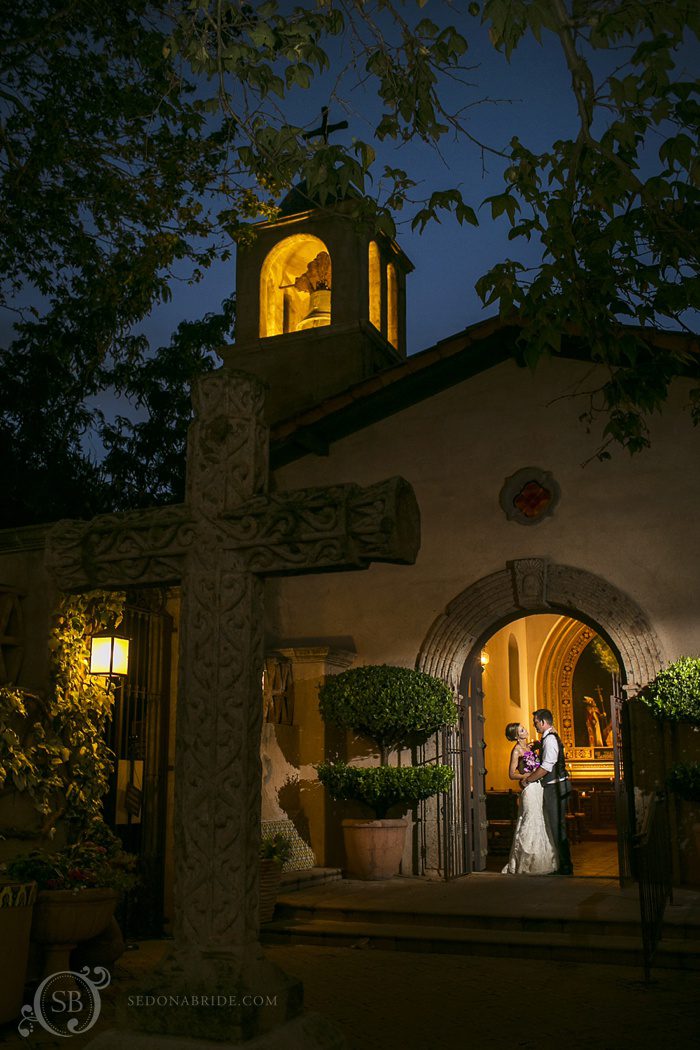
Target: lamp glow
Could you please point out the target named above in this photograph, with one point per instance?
(109, 655)
(484, 658)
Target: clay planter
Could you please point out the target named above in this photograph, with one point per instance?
(374, 848)
(63, 918)
(270, 878)
(16, 904)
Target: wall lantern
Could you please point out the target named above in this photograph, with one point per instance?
(484, 658)
(109, 655)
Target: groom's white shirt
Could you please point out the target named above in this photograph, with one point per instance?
(550, 751)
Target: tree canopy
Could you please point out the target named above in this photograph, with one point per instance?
(139, 139)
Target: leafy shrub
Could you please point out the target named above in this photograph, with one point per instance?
(684, 781)
(84, 865)
(277, 847)
(396, 706)
(675, 692)
(381, 787)
(52, 747)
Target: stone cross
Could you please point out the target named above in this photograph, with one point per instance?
(219, 545)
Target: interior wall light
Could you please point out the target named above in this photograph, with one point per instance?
(484, 658)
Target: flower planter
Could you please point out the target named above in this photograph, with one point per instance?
(64, 918)
(270, 878)
(16, 905)
(374, 848)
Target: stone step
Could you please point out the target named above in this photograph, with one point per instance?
(571, 945)
(293, 881)
(290, 911)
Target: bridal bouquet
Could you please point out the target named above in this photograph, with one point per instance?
(530, 761)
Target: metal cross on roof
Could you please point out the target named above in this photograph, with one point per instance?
(325, 129)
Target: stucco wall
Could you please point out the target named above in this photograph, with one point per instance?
(23, 571)
(630, 520)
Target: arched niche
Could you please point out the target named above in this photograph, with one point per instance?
(392, 305)
(375, 286)
(295, 286)
(531, 585)
(513, 670)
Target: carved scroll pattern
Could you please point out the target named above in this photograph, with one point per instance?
(228, 443)
(529, 582)
(114, 550)
(340, 526)
(217, 770)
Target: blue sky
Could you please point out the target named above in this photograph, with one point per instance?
(528, 96)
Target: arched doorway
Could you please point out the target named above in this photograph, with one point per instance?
(452, 650)
(557, 662)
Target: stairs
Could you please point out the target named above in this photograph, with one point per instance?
(584, 930)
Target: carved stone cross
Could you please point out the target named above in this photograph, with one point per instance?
(219, 545)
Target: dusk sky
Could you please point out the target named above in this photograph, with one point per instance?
(535, 104)
(529, 97)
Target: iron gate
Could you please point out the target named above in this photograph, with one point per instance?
(624, 791)
(463, 809)
(136, 804)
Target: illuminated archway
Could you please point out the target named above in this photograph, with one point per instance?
(375, 286)
(535, 585)
(392, 305)
(295, 286)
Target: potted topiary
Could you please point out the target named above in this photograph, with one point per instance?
(275, 851)
(398, 708)
(673, 697)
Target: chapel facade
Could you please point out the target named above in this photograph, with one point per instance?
(539, 581)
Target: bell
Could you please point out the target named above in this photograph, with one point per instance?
(319, 310)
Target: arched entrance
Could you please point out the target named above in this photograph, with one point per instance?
(451, 651)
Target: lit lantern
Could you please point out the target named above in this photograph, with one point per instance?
(109, 655)
(484, 659)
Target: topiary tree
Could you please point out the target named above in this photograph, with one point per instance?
(675, 692)
(397, 707)
(381, 787)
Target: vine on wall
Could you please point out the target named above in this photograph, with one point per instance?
(53, 747)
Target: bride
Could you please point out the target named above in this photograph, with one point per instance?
(532, 852)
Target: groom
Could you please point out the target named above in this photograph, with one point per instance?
(557, 787)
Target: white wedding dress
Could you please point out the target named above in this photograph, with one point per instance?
(532, 852)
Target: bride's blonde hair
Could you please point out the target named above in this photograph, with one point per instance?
(512, 730)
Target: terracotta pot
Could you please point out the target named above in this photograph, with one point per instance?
(374, 848)
(16, 905)
(63, 919)
(270, 878)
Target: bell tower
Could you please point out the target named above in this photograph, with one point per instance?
(320, 303)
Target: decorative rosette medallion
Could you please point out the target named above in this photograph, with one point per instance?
(529, 496)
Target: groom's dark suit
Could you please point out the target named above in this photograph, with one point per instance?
(557, 788)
